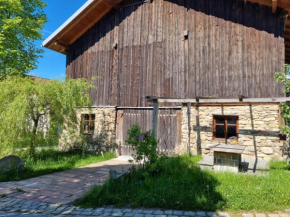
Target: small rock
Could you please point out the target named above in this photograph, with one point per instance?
(11, 162)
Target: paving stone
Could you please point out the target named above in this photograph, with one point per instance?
(211, 214)
(260, 215)
(128, 214)
(200, 213)
(284, 215)
(127, 210)
(149, 215)
(177, 212)
(158, 212)
(247, 215)
(117, 214)
(97, 213)
(146, 211)
(223, 214)
(273, 215)
(138, 211)
(168, 212)
(108, 210)
(138, 215)
(57, 211)
(99, 210)
(172, 216)
(189, 213)
(87, 213)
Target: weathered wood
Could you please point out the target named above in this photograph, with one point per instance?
(237, 100)
(155, 117)
(227, 53)
(168, 133)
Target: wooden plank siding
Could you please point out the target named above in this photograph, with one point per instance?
(233, 48)
(168, 132)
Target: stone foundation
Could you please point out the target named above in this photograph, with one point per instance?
(258, 130)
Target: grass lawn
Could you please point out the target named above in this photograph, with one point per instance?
(50, 161)
(180, 184)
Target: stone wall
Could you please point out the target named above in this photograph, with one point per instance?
(258, 130)
(105, 119)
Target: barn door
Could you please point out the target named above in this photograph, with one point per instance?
(168, 128)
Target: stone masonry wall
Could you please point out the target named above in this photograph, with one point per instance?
(104, 124)
(258, 130)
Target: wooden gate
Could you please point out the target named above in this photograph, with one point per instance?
(169, 127)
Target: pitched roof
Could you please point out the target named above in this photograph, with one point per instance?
(84, 18)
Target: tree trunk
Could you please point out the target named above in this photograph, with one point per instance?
(33, 138)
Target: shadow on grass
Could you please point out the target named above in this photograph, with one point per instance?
(178, 184)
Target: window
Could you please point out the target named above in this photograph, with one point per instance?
(88, 124)
(225, 127)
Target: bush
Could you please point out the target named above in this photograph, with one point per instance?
(145, 146)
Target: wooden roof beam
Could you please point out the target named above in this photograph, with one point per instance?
(61, 44)
(111, 3)
(274, 6)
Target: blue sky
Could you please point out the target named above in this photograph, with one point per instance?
(52, 64)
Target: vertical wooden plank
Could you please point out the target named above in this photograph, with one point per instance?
(155, 118)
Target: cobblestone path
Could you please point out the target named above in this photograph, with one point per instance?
(51, 195)
(63, 187)
(18, 207)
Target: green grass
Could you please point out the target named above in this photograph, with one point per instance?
(180, 184)
(50, 161)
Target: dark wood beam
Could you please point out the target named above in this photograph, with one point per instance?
(274, 6)
(287, 31)
(111, 3)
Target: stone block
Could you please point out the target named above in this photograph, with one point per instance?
(267, 150)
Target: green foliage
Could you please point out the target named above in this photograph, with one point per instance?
(282, 77)
(180, 184)
(20, 23)
(145, 146)
(50, 161)
(33, 111)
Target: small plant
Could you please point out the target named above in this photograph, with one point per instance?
(145, 146)
(19, 190)
(3, 195)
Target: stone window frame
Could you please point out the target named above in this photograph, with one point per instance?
(226, 126)
(90, 119)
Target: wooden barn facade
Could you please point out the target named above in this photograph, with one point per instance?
(182, 51)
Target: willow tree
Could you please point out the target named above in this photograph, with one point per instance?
(32, 111)
(20, 25)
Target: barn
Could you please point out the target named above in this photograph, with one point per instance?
(208, 66)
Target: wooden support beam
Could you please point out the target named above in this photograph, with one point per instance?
(61, 44)
(274, 6)
(188, 126)
(155, 117)
(223, 101)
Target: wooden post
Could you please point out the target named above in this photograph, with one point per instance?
(188, 126)
(155, 117)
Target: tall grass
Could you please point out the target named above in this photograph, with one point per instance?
(180, 184)
(50, 161)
